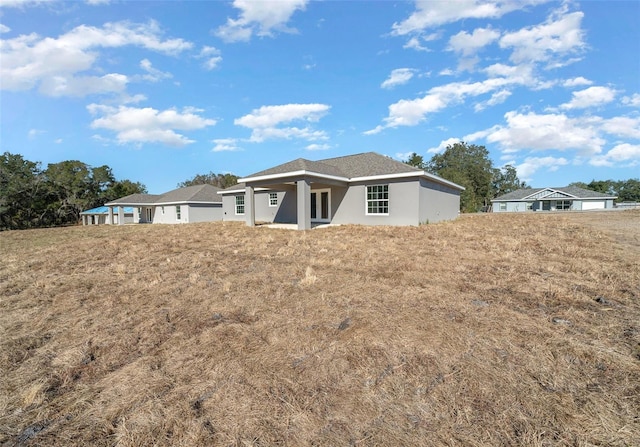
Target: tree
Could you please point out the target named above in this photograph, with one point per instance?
(506, 180)
(467, 165)
(22, 192)
(219, 180)
(625, 190)
(416, 161)
(121, 188)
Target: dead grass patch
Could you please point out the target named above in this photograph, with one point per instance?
(490, 330)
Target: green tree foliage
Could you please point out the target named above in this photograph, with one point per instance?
(625, 190)
(505, 180)
(219, 180)
(31, 197)
(467, 165)
(416, 160)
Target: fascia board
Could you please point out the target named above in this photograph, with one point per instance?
(292, 174)
(236, 191)
(186, 202)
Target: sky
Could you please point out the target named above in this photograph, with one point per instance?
(162, 91)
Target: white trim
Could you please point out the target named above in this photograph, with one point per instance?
(244, 204)
(269, 200)
(292, 174)
(236, 191)
(366, 200)
(319, 204)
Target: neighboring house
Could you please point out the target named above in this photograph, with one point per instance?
(553, 199)
(367, 189)
(199, 203)
(99, 215)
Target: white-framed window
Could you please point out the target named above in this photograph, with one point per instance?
(273, 199)
(503, 206)
(178, 212)
(377, 199)
(239, 205)
(563, 205)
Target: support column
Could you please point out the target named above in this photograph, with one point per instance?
(249, 206)
(304, 208)
(110, 216)
(121, 215)
(84, 219)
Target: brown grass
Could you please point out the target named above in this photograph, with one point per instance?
(490, 330)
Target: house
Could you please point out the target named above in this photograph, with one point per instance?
(367, 189)
(99, 215)
(198, 203)
(553, 199)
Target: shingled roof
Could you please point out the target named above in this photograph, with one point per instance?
(348, 167)
(188, 194)
(574, 191)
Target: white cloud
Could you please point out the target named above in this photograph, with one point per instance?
(430, 14)
(57, 65)
(21, 3)
(590, 97)
(560, 35)
(576, 82)
(414, 44)
(546, 132)
(624, 153)
(532, 164)
(212, 57)
(468, 44)
(33, 133)
(58, 141)
(4, 28)
(98, 2)
(398, 76)
(264, 121)
(633, 100)
(148, 125)
(443, 145)
(622, 126)
(496, 98)
(318, 147)
(226, 144)
(260, 17)
(153, 74)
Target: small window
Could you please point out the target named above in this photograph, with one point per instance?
(378, 199)
(273, 199)
(529, 206)
(162, 210)
(239, 205)
(178, 214)
(503, 206)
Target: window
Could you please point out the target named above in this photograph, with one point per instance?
(162, 210)
(178, 212)
(529, 206)
(239, 205)
(503, 206)
(563, 205)
(273, 199)
(378, 199)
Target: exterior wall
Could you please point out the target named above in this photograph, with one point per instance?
(284, 212)
(351, 207)
(169, 215)
(514, 207)
(203, 213)
(438, 202)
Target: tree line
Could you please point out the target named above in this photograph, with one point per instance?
(32, 197)
(469, 165)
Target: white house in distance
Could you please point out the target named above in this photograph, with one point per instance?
(367, 189)
(570, 198)
(99, 215)
(198, 203)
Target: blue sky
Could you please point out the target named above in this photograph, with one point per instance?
(162, 91)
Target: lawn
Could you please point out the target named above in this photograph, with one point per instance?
(496, 329)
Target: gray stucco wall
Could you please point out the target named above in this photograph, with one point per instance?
(284, 212)
(438, 202)
(204, 213)
(403, 204)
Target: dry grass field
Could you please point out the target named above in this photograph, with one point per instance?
(491, 330)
